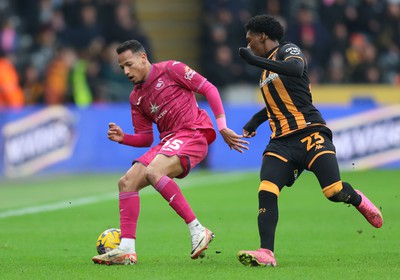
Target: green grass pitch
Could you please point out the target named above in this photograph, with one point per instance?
(49, 228)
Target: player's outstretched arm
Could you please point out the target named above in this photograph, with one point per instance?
(234, 140)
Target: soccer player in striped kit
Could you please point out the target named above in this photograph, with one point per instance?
(164, 94)
(300, 138)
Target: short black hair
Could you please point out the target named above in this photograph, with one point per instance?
(265, 24)
(132, 45)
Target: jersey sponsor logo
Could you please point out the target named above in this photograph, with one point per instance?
(293, 50)
(189, 73)
(153, 108)
(162, 114)
(160, 84)
(269, 79)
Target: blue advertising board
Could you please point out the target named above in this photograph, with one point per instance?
(67, 139)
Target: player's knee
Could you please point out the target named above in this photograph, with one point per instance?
(123, 184)
(151, 175)
(269, 187)
(335, 192)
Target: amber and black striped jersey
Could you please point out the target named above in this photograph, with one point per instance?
(286, 90)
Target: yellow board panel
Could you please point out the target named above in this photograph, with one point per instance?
(345, 94)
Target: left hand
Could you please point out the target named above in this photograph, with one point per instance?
(234, 140)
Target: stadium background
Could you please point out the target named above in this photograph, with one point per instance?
(63, 53)
(59, 172)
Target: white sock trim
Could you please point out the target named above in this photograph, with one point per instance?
(195, 227)
(128, 245)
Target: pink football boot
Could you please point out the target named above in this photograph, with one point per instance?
(260, 257)
(370, 211)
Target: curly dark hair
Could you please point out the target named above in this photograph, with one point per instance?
(133, 45)
(265, 24)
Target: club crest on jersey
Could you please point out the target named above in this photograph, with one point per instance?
(269, 79)
(153, 108)
(160, 84)
(189, 73)
(293, 50)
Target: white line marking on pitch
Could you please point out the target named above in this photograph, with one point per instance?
(187, 183)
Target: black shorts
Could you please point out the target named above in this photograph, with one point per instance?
(299, 150)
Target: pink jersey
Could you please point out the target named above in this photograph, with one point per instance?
(167, 98)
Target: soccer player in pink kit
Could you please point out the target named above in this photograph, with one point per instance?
(164, 95)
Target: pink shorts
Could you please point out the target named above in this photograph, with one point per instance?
(189, 145)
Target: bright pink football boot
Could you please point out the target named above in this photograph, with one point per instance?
(260, 257)
(370, 211)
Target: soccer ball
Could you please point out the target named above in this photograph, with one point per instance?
(108, 240)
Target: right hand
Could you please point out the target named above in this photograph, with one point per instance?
(247, 134)
(249, 129)
(115, 133)
(245, 53)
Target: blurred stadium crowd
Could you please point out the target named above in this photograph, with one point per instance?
(63, 51)
(345, 41)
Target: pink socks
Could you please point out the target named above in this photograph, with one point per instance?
(171, 193)
(129, 208)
